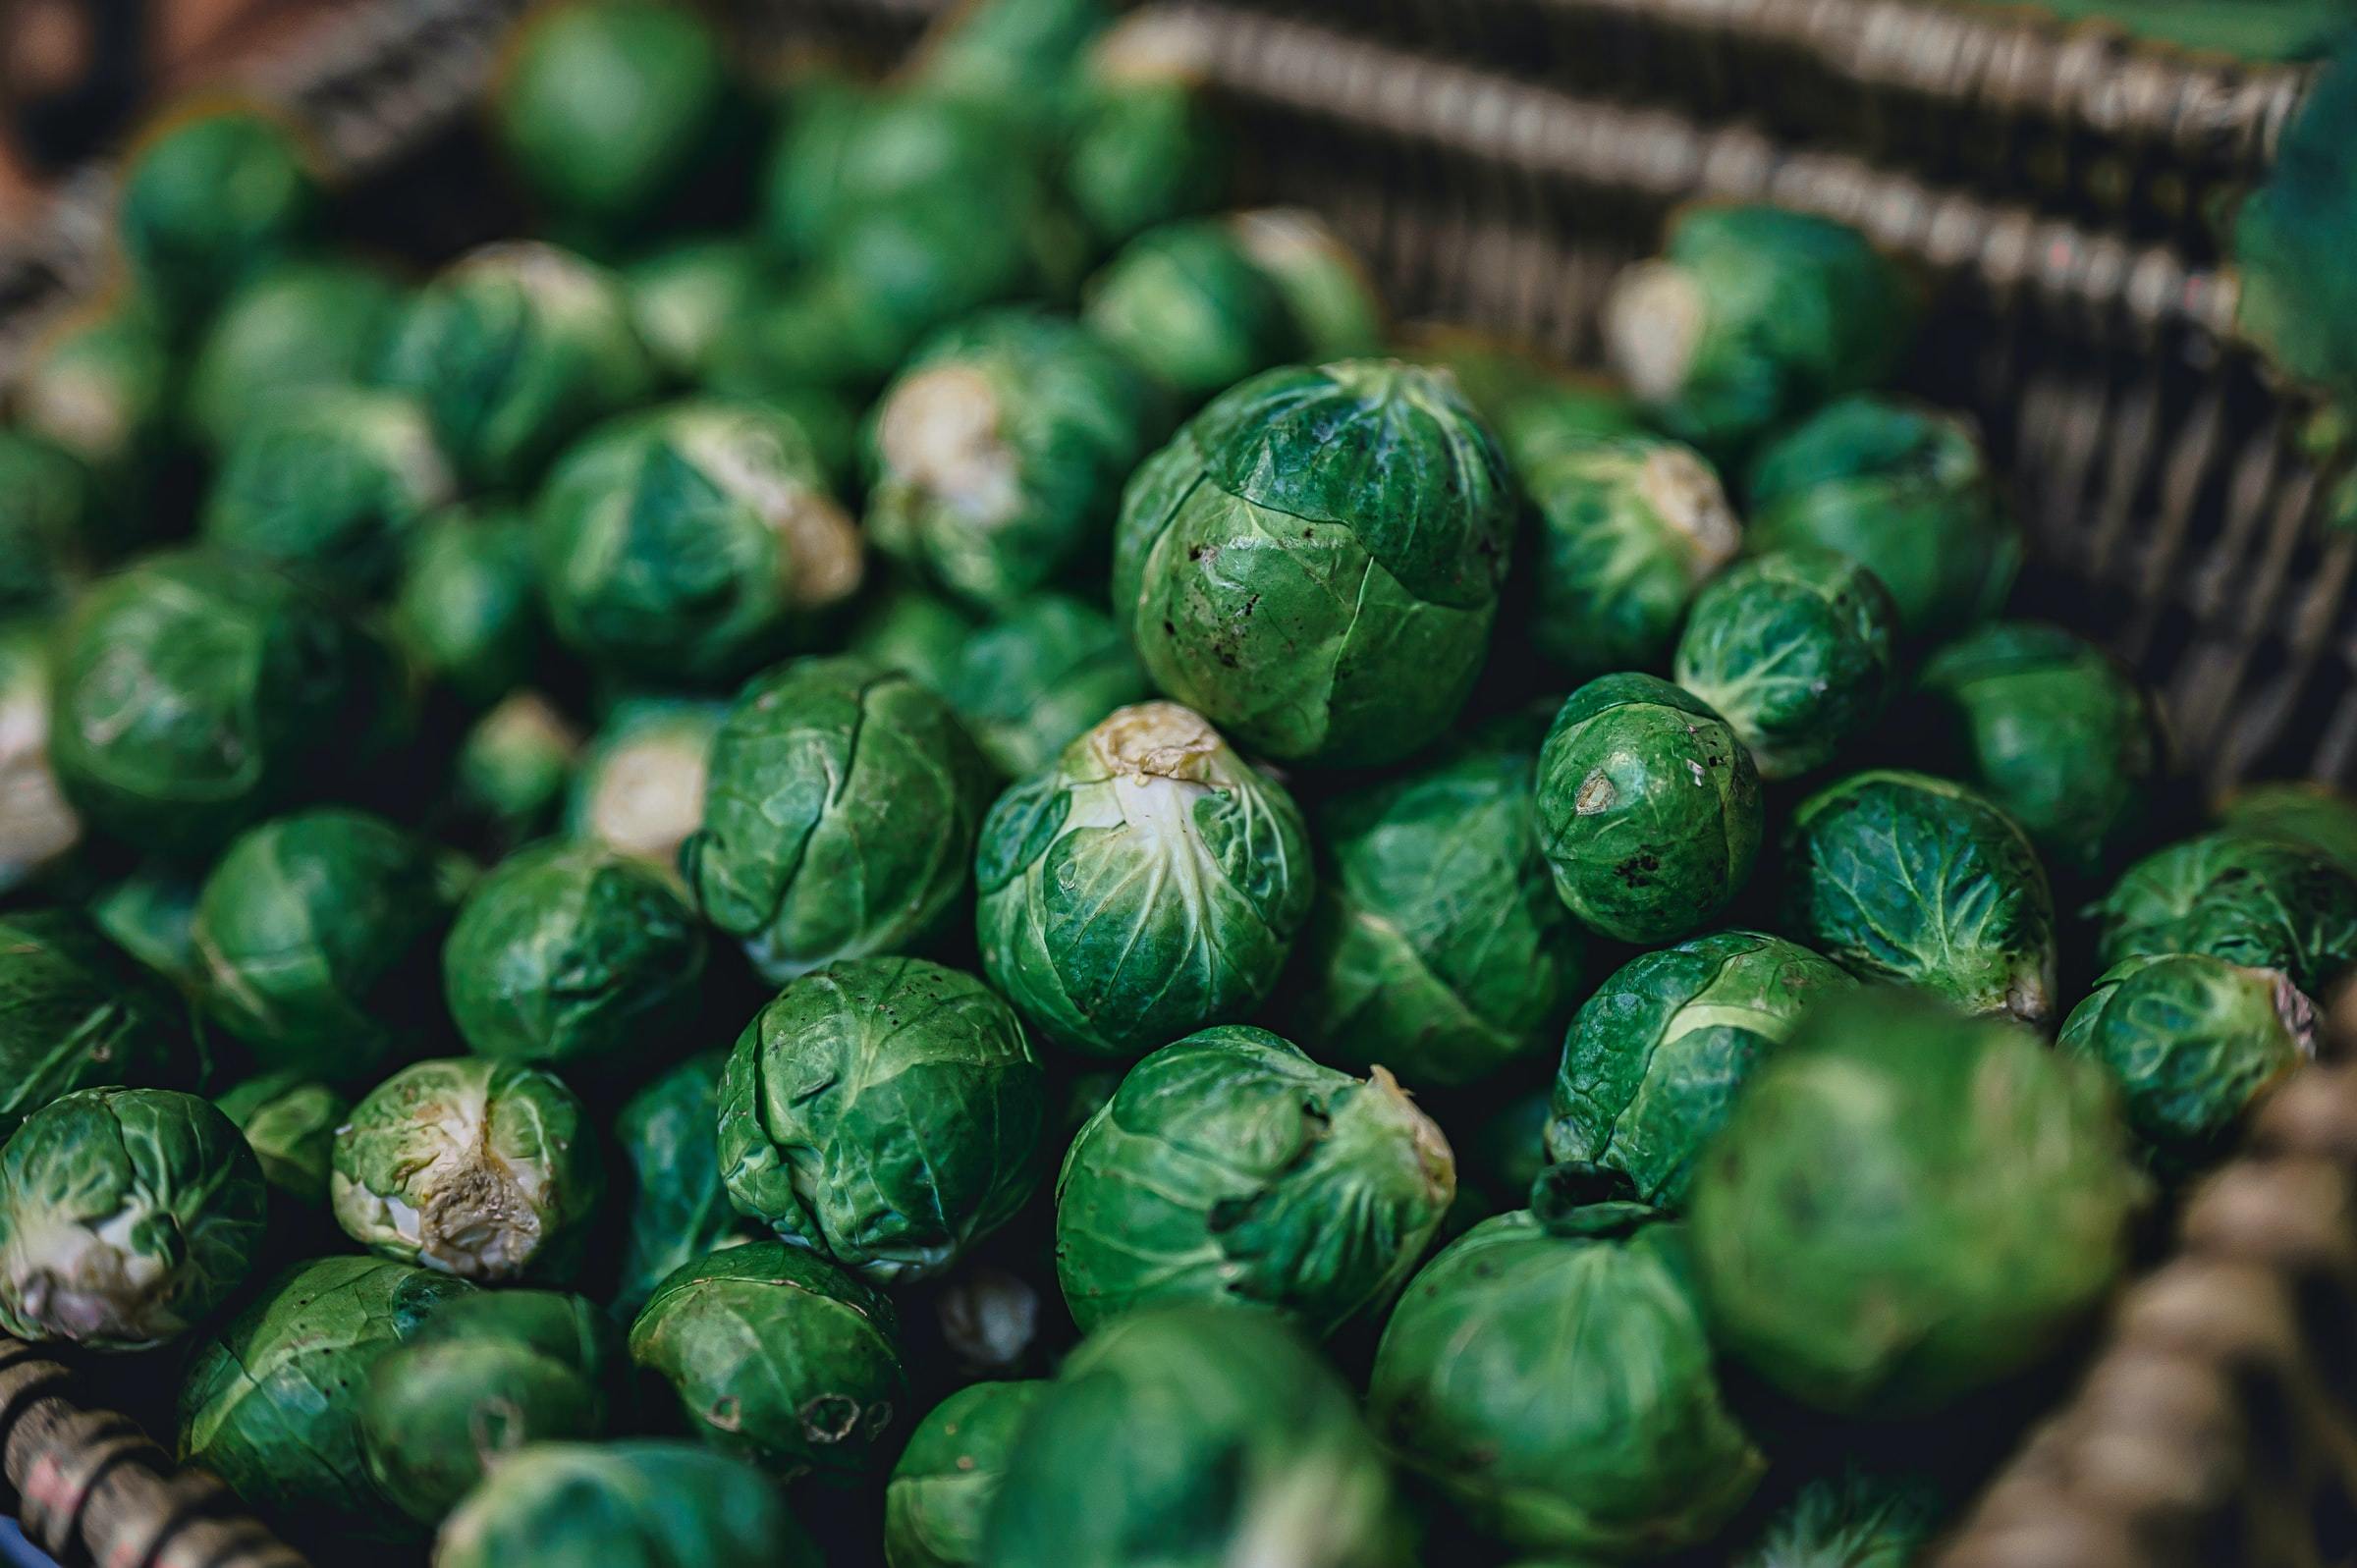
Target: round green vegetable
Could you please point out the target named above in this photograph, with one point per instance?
(641, 1503)
(151, 914)
(38, 827)
(1149, 882)
(2265, 903)
(1328, 290)
(1537, 406)
(689, 296)
(468, 607)
(938, 1500)
(1853, 1519)
(514, 764)
(298, 330)
(1018, 58)
(98, 386)
(208, 199)
(290, 1122)
(2317, 815)
(1145, 145)
(47, 521)
(678, 1198)
(640, 788)
(1031, 683)
(918, 633)
(1186, 305)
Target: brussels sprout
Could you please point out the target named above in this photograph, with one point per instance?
(151, 914)
(779, 1356)
(467, 607)
(2313, 814)
(98, 386)
(679, 1200)
(1656, 1055)
(1195, 1436)
(513, 349)
(195, 696)
(1036, 682)
(1146, 884)
(916, 632)
(1900, 875)
(1854, 1519)
(1328, 291)
(2192, 1041)
(1629, 527)
(1017, 57)
(299, 329)
(210, 199)
(1649, 809)
(839, 813)
(514, 764)
(46, 521)
(37, 828)
(1906, 492)
(1796, 649)
(938, 1501)
(1753, 315)
(642, 1503)
(1436, 945)
(1144, 145)
(1536, 405)
(2054, 730)
(999, 454)
(486, 1169)
(126, 1216)
(2264, 904)
(290, 1122)
(332, 487)
(1845, 1219)
(1188, 305)
(487, 1375)
(317, 934)
(1557, 1380)
(639, 790)
(885, 1111)
(844, 145)
(1229, 1167)
(689, 296)
(1314, 562)
(75, 1013)
(691, 542)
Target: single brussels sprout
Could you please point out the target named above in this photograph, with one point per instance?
(514, 765)
(1655, 1058)
(332, 488)
(689, 296)
(1753, 315)
(489, 1375)
(884, 1111)
(1229, 1167)
(999, 454)
(918, 633)
(317, 934)
(779, 1356)
(1187, 304)
(1629, 527)
(2193, 1041)
(1030, 684)
(938, 1500)
(301, 328)
(1314, 562)
(573, 953)
(38, 827)
(47, 523)
(639, 1503)
(513, 349)
(98, 386)
(2265, 903)
(839, 812)
(486, 1169)
(1327, 289)
(151, 913)
(77, 1014)
(195, 695)
(1903, 490)
(1536, 405)
(1854, 1519)
(692, 542)
(2317, 815)
(271, 1403)
(289, 1122)
(1649, 809)
(1903, 877)
(1145, 146)
(1845, 1217)
(1797, 650)
(679, 1208)
(210, 199)
(468, 607)
(1020, 58)
(1612, 1437)
(1149, 882)
(640, 788)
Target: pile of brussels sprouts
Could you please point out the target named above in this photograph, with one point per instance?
(905, 850)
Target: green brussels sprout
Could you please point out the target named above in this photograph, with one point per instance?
(1146, 884)
(486, 1169)
(151, 913)
(38, 827)
(98, 386)
(2302, 813)
(1145, 146)
(1020, 58)
(1629, 527)
(1436, 945)
(1328, 291)
(689, 296)
(844, 145)
(918, 633)
(302, 327)
(1845, 1219)
(514, 765)
(289, 1122)
(1229, 1167)
(1537, 406)
(2054, 730)
(1903, 490)
(884, 1111)
(779, 1356)
(1649, 809)
(2193, 1041)
(1754, 314)
(640, 788)
(77, 1014)
(1030, 684)
(839, 812)
(1854, 1519)
(208, 199)
(1556, 1379)
(317, 934)
(1903, 877)
(46, 521)
(1187, 304)
(512, 350)
(272, 1402)
(937, 1503)
(195, 696)
(126, 1216)
(691, 542)
(1655, 1058)
(332, 487)
(1000, 451)
(468, 607)
(2264, 904)
(1195, 1436)
(678, 1198)
(1314, 562)
(641, 1503)
(489, 1375)
(1797, 650)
